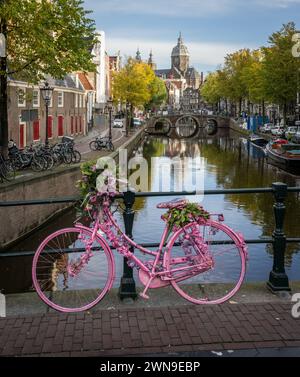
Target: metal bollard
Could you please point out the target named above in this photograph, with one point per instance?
(278, 279)
(127, 286)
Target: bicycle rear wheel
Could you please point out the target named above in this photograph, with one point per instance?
(94, 145)
(207, 262)
(60, 279)
(8, 171)
(76, 157)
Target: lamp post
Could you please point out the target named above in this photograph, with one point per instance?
(47, 93)
(127, 118)
(109, 107)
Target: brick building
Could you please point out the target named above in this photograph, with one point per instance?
(26, 111)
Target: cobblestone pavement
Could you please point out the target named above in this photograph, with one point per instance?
(148, 331)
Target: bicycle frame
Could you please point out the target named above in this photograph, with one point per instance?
(150, 277)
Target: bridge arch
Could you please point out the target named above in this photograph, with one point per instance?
(160, 126)
(187, 126)
(211, 126)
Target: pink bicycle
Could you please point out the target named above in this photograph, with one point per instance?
(204, 260)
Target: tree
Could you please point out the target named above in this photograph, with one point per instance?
(254, 80)
(43, 38)
(210, 90)
(280, 68)
(234, 67)
(133, 84)
(159, 94)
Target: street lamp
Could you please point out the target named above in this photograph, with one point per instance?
(109, 108)
(47, 93)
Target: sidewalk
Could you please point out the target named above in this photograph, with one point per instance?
(171, 330)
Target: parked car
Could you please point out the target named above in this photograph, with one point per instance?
(137, 122)
(266, 128)
(118, 123)
(296, 137)
(277, 131)
(291, 132)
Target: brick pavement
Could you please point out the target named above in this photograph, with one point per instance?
(151, 331)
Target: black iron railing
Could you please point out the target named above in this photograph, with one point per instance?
(278, 279)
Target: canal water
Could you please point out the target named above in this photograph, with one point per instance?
(230, 161)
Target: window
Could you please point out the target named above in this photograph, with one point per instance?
(80, 100)
(60, 125)
(21, 97)
(60, 99)
(76, 100)
(36, 98)
(36, 130)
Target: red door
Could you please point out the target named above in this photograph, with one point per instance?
(36, 130)
(76, 125)
(60, 125)
(50, 126)
(80, 124)
(22, 135)
(72, 125)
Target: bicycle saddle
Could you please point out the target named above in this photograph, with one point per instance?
(175, 203)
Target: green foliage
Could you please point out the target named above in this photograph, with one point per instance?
(280, 68)
(136, 84)
(47, 38)
(268, 74)
(158, 94)
(87, 183)
(178, 218)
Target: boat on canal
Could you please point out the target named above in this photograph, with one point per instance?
(258, 141)
(284, 154)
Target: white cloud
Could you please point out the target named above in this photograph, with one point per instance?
(202, 55)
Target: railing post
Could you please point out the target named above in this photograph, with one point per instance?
(278, 280)
(127, 286)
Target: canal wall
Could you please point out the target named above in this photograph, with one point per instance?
(18, 222)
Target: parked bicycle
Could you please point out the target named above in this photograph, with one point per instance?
(7, 170)
(102, 143)
(201, 258)
(21, 159)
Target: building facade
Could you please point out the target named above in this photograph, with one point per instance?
(27, 113)
(181, 72)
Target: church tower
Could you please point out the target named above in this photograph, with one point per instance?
(138, 56)
(151, 62)
(180, 56)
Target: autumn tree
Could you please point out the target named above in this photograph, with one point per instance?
(43, 38)
(280, 68)
(159, 94)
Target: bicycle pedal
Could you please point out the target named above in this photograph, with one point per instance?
(143, 295)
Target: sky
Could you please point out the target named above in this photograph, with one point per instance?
(210, 28)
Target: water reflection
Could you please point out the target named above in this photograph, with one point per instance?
(230, 162)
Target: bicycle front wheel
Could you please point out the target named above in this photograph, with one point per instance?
(72, 273)
(206, 262)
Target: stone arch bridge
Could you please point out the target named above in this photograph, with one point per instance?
(186, 125)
